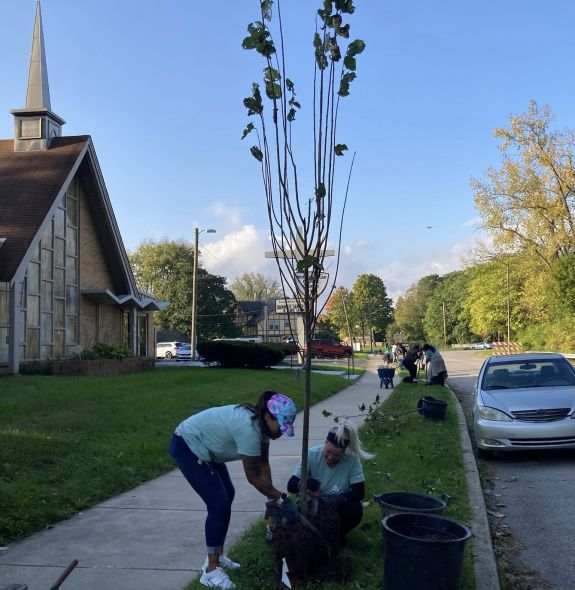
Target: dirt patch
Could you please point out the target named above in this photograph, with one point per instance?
(312, 557)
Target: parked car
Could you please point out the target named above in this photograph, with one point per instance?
(481, 346)
(328, 347)
(184, 353)
(167, 350)
(524, 401)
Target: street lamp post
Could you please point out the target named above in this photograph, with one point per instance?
(193, 336)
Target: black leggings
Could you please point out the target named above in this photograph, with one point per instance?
(351, 514)
(411, 367)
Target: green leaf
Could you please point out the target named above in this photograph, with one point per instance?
(317, 41)
(346, 80)
(249, 128)
(289, 85)
(320, 191)
(340, 148)
(345, 6)
(336, 21)
(294, 103)
(326, 414)
(266, 7)
(271, 75)
(273, 90)
(306, 262)
(257, 153)
(343, 31)
(349, 62)
(355, 47)
(291, 115)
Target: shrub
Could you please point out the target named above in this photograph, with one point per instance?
(104, 351)
(231, 354)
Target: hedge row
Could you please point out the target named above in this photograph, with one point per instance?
(232, 354)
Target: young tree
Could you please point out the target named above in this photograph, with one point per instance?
(164, 269)
(255, 287)
(300, 223)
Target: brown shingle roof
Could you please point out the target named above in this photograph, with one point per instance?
(29, 183)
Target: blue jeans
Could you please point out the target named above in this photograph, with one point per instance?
(211, 481)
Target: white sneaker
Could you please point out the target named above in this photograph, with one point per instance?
(216, 579)
(225, 562)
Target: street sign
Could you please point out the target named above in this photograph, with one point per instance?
(321, 281)
(288, 306)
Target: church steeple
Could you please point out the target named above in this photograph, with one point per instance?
(36, 124)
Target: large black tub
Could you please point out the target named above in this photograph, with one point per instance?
(423, 551)
(394, 502)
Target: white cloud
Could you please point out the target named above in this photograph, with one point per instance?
(239, 252)
(232, 215)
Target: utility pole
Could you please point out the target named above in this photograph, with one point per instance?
(444, 327)
(508, 311)
(193, 335)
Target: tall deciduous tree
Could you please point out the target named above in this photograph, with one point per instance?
(164, 269)
(373, 309)
(255, 287)
(339, 311)
(412, 307)
(445, 311)
(528, 204)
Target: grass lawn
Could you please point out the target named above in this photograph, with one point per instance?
(67, 443)
(412, 454)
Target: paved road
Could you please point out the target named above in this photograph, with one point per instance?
(536, 492)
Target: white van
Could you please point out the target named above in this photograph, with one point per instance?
(167, 350)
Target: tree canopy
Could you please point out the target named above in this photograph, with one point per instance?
(255, 287)
(164, 270)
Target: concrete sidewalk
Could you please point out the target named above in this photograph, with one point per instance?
(152, 537)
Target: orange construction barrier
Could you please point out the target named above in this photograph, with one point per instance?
(507, 348)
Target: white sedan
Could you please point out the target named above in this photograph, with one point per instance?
(524, 401)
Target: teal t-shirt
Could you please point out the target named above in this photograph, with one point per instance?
(222, 434)
(336, 480)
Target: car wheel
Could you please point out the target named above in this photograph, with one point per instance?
(484, 454)
(168, 355)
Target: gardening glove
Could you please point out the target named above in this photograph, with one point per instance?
(273, 511)
(313, 484)
(289, 511)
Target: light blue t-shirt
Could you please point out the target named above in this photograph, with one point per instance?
(335, 480)
(223, 434)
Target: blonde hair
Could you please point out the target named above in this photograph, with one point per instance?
(345, 432)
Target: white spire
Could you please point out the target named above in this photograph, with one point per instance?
(38, 95)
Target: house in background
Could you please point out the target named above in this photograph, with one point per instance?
(65, 280)
(267, 320)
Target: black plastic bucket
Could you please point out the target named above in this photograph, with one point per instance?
(394, 502)
(433, 408)
(423, 551)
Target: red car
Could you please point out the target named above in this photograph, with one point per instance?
(328, 347)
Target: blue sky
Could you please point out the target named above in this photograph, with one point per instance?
(159, 87)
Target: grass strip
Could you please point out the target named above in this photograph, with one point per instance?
(412, 454)
(67, 443)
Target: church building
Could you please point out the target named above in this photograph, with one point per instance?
(65, 279)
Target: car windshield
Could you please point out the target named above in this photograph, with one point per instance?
(528, 373)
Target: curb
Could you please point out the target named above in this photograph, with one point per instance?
(486, 576)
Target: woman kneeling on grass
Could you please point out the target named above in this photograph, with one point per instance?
(335, 474)
(203, 444)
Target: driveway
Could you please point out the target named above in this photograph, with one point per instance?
(530, 498)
